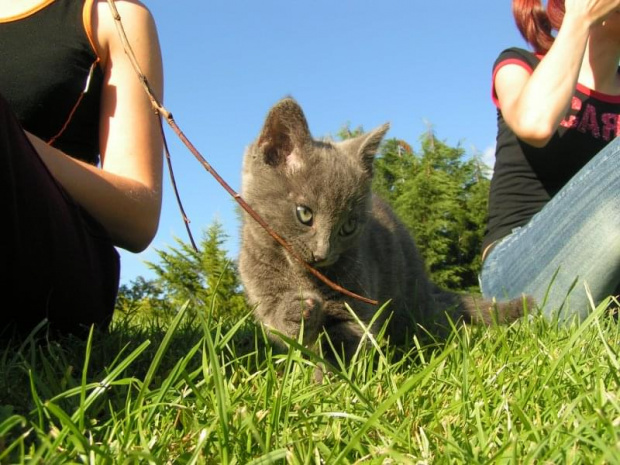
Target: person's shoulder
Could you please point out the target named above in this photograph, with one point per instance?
(123, 4)
(516, 55)
(513, 56)
(134, 16)
(128, 10)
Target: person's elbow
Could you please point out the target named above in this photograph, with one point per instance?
(144, 236)
(142, 228)
(534, 132)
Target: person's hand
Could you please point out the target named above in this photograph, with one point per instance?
(591, 11)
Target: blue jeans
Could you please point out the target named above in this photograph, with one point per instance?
(570, 249)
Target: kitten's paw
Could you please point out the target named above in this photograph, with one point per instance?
(305, 308)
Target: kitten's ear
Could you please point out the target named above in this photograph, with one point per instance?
(284, 134)
(368, 144)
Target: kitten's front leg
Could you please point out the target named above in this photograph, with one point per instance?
(294, 311)
(343, 329)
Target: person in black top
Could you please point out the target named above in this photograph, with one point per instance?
(553, 228)
(80, 158)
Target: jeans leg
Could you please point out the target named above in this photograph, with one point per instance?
(571, 247)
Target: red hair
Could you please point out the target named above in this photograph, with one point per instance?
(536, 23)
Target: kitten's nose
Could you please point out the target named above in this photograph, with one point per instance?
(318, 257)
(321, 250)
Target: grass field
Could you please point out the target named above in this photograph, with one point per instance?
(202, 391)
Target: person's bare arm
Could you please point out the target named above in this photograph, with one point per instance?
(125, 194)
(533, 105)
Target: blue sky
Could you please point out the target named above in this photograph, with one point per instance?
(412, 63)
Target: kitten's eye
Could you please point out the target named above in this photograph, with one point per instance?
(304, 215)
(349, 227)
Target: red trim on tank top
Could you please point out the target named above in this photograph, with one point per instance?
(598, 95)
(501, 64)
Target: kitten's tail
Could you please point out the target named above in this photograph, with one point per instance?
(476, 310)
(489, 312)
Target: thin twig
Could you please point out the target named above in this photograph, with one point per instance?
(174, 186)
(159, 109)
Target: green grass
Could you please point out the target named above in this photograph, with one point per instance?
(202, 391)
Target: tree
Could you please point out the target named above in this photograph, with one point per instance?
(207, 277)
(222, 278)
(442, 199)
(392, 168)
(144, 298)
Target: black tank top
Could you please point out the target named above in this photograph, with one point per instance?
(525, 178)
(50, 75)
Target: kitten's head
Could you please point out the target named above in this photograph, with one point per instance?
(313, 193)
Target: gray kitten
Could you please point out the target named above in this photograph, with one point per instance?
(317, 195)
